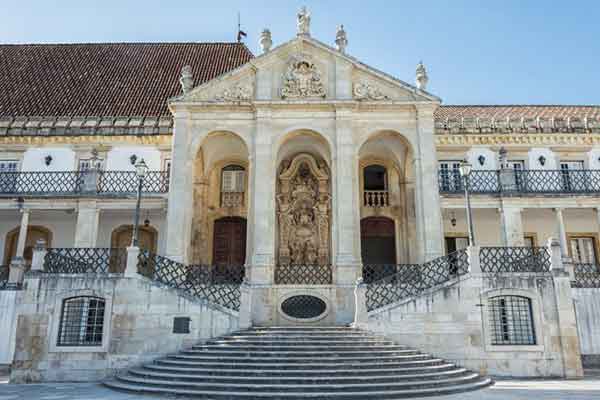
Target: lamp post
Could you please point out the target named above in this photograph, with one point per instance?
(465, 170)
(141, 169)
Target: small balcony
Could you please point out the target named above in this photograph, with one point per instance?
(522, 182)
(232, 199)
(376, 198)
(81, 183)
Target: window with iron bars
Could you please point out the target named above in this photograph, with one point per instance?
(81, 321)
(511, 321)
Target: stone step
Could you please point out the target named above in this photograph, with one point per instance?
(299, 348)
(301, 388)
(295, 365)
(299, 378)
(377, 395)
(298, 354)
(292, 372)
(283, 342)
(303, 359)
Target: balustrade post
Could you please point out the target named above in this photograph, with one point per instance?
(558, 263)
(39, 254)
(16, 271)
(131, 269)
(361, 315)
(473, 255)
(245, 313)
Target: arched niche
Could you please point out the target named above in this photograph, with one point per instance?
(34, 233)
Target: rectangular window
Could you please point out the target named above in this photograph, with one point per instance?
(583, 250)
(86, 164)
(167, 166)
(456, 243)
(450, 180)
(9, 165)
(574, 179)
(511, 321)
(233, 181)
(81, 322)
(529, 240)
(9, 177)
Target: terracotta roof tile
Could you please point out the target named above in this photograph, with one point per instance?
(105, 79)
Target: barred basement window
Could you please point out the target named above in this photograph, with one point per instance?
(81, 321)
(511, 321)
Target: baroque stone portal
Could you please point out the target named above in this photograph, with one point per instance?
(303, 207)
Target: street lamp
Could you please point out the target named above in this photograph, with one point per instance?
(141, 169)
(465, 170)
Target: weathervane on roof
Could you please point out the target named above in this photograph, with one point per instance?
(240, 33)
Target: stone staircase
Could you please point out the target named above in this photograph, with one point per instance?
(299, 363)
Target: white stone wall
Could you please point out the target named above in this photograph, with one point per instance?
(63, 159)
(587, 307)
(139, 329)
(8, 321)
(118, 158)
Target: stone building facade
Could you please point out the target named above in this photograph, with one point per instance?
(303, 169)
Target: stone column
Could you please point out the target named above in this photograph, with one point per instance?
(473, 255)
(88, 219)
(566, 318)
(263, 203)
(22, 240)
(598, 218)
(562, 234)
(131, 270)
(346, 210)
(430, 231)
(512, 226)
(180, 206)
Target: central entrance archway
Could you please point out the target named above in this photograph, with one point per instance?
(229, 241)
(378, 240)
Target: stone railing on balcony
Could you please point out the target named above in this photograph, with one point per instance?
(376, 198)
(232, 199)
(522, 182)
(80, 183)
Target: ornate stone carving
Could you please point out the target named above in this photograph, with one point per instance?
(341, 40)
(303, 22)
(421, 77)
(303, 203)
(302, 80)
(368, 91)
(265, 40)
(236, 93)
(186, 79)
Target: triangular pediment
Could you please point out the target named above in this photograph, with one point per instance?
(304, 69)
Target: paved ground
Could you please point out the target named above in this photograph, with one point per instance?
(586, 389)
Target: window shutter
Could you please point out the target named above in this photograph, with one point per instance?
(239, 181)
(227, 184)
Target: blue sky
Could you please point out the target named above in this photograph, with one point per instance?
(477, 52)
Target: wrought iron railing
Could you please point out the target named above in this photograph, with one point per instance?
(376, 198)
(77, 183)
(375, 272)
(413, 281)
(586, 276)
(83, 260)
(512, 182)
(215, 284)
(514, 259)
(303, 274)
(4, 271)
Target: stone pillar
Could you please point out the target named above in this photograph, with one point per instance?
(361, 315)
(473, 255)
(512, 226)
(598, 218)
(131, 269)
(245, 313)
(346, 209)
(430, 230)
(562, 234)
(39, 253)
(180, 191)
(566, 318)
(88, 219)
(22, 240)
(263, 203)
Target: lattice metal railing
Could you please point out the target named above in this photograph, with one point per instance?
(522, 182)
(514, 259)
(197, 280)
(83, 260)
(586, 276)
(127, 182)
(4, 272)
(303, 274)
(375, 272)
(76, 183)
(411, 281)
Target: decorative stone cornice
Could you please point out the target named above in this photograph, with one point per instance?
(532, 139)
(518, 124)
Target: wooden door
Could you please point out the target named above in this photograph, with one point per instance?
(378, 240)
(229, 241)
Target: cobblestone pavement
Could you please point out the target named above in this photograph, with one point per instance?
(586, 389)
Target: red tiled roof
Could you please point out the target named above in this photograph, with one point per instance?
(516, 111)
(105, 79)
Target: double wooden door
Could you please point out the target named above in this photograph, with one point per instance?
(378, 240)
(229, 241)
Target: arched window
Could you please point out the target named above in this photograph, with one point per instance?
(511, 320)
(81, 321)
(375, 177)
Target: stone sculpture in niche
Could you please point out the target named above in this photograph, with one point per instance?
(303, 203)
(302, 80)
